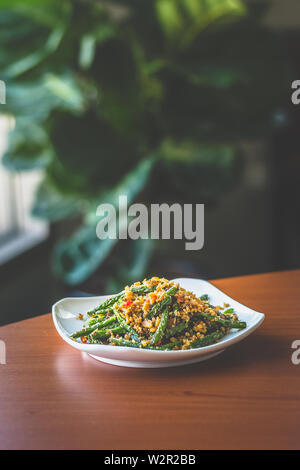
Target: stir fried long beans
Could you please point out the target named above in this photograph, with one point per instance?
(159, 315)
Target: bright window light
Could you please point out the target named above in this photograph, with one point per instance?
(18, 229)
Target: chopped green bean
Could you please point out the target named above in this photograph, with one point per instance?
(112, 300)
(169, 345)
(158, 307)
(125, 342)
(106, 333)
(84, 332)
(128, 328)
(158, 335)
(106, 304)
(207, 340)
(224, 322)
(95, 326)
(176, 329)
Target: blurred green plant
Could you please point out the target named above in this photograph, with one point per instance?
(134, 97)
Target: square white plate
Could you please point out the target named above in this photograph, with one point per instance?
(65, 311)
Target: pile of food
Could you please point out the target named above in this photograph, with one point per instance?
(158, 314)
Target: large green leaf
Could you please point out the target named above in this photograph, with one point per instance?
(170, 16)
(28, 147)
(78, 257)
(197, 172)
(91, 154)
(19, 38)
(121, 95)
(228, 95)
(29, 32)
(28, 62)
(88, 43)
(46, 12)
(34, 100)
(52, 206)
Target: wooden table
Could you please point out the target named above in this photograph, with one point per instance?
(53, 397)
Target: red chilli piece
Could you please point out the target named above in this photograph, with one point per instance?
(84, 339)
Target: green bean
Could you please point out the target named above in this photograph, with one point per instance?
(158, 335)
(176, 329)
(89, 330)
(95, 320)
(163, 303)
(211, 327)
(128, 328)
(130, 344)
(125, 342)
(240, 325)
(98, 334)
(109, 321)
(169, 345)
(112, 300)
(142, 289)
(164, 347)
(84, 332)
(207, 340)
(106, 333)
(106, 304)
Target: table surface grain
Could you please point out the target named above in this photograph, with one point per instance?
(54, 397)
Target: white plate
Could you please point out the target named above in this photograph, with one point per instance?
(66, 310)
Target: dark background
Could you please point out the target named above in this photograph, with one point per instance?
(253, 228)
